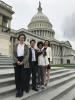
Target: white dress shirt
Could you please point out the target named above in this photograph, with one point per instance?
(33, 54)
(20, 50)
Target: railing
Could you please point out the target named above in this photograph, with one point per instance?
(5, 5)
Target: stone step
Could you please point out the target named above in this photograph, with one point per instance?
(7, 81)
(6, 59)
(64, 90)
(62, 75)
(4, 56)
(59, 82)
(10, 80)
(55, 72)
(7, 76)
(51, 94)
(7, 89)
(6, 73)
(52, 86)
(11, 70)
(68, 96)
(6, 67)
(6, 63)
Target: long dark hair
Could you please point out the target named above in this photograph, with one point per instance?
(48, 42)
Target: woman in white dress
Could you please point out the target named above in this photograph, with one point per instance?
(41, 65)
(48, 59)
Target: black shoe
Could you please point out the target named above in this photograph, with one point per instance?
(35, 89)
(27, 91)
(21, 94)
(18, 94)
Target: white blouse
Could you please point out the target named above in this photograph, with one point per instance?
(43, 60)
(20, 50)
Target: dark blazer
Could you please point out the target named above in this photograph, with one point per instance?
(26, 55)
(30, 56)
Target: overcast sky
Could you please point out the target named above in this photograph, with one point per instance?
(58, 11)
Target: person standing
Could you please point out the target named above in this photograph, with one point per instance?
(41, 65)
(48, 58)
(21, 61)
(33, 63)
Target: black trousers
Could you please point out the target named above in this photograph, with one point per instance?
(19, 76)
(33, 72)
(27, 73)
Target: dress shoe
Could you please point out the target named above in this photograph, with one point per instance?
(35, 89)
(27, 91)
(18, 94)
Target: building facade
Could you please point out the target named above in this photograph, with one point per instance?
(39, 29)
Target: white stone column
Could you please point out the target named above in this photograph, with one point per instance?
(36, 32)
(1, 22)
(11, 46)
(39, 32)
(53, 50)
(49, 34)
(9, 23)
(0, 19)
(44, 34)
(62, 51)
(58, 50)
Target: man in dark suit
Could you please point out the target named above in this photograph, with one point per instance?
(33, 63)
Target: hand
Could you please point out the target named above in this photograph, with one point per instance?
(18, 62)
(21, 63)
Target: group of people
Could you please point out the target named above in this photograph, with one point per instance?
(31, 64)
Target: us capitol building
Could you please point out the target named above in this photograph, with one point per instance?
(39, 28)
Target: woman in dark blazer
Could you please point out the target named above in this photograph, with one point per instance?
(22, 70)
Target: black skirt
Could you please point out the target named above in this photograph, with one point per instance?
(49, 66)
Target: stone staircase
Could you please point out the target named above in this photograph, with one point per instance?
(60, 87)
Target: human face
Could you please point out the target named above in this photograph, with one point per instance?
(21, 39)
(32, 44)
(40, 46)
(46, 43)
